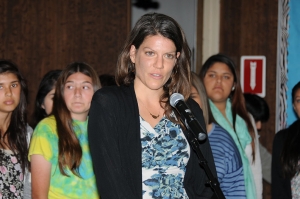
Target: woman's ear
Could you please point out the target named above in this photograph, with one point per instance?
(132, 53)
(233, 87)
(294, 108)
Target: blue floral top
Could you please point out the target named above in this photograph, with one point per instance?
(165, 154)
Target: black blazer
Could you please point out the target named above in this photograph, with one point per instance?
(281, 187)
(115, 146)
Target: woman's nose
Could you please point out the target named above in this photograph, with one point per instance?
(8, 92)
(77, 92)
(159, 62)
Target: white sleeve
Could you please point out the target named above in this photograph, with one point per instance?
(27, 175)
(256, 164)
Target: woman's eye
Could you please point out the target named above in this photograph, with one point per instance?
(297, 100)
(211, 75)
(69, 87)
(193, 95)
(170, 56)
(149, 53)
(14, 85)
(226, 77)
(86, 87)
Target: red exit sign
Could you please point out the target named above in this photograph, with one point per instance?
(253, 75)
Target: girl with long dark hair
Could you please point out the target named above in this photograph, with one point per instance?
(44, 96)
(15, 133)
(59, 153)
(286, 156)
(225, 152)
(227, 104)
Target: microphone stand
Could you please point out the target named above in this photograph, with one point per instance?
(213, 182)
(193, 129)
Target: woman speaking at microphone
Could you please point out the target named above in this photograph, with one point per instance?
(137, 142)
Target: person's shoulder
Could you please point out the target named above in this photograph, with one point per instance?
(295, 126)
(221, 137)
(47, 122)
(46, 128)
(29, 129)
(220, 130)
(282, 133)
(110, 92)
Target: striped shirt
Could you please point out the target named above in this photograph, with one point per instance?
(228, 163)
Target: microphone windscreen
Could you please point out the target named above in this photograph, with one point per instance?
(175, 97)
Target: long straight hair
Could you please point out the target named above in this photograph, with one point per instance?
(69, 149)
(198, 84)
(17, 130)
(238, 106)
(290, 154)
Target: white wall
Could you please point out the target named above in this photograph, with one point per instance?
(211, 28)
(183, 11)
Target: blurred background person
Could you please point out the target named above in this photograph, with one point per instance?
(61, 164)
(296, 99)
(228, 107)
(226, 155)
(44, 97)
(259, 109)
(286, 156)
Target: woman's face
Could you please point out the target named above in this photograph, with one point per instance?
(48, 102)
(218, 82)
(296, 103)
(78, 93)
(10, 92)
(154, 62)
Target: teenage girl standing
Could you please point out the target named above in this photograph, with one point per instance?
(61, 165)
(15, 133)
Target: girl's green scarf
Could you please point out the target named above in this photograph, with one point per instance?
(241, 138)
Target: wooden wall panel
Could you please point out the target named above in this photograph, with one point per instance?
(43, 35)
(249, 27)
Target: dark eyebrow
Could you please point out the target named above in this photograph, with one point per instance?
(85, 82)
(226, 73)
(16, 81)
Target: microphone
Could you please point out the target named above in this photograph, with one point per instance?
(187, 117)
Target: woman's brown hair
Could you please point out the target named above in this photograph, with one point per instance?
(69, 149)
(158, 24)
(238, 105)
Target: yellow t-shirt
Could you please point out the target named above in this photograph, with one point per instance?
(45, 142)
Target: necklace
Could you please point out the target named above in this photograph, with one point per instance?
(153, 116)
